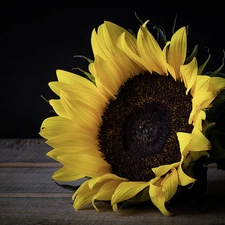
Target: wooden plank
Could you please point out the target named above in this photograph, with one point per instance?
(29, 196)
(32, 180)
(60, 211)
(30, 165)
(24, 150)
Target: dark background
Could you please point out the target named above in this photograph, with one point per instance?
(37, 40)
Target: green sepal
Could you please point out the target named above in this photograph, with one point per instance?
(202, 67)
(216, 135)
(84, 57)
(161, 36)
(217, 139)
(192, 55)
(90, 76)
(195, 192)
(217, 72)
(218, 107)
(206, 126)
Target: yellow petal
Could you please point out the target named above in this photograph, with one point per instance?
(158, 196)
(83, 196)
(177, 50)
(195, 141)
(203, 99)
(108, 34)
(127, 190)
(93, 100)
(155, 187)
(107, 75)
(128, 44)
(79, 138)
(202, 84)
(78, 148)
(74, 79)
(58, 108)
(196, 155)
(183, 178)
(101, 87)
(79, 81)
(66, 174)
(189, 74)
(82, 189)
(162, 170)
(105, 192)
(196, 117)
(104, 178)
(97, 47)
(111, 34)
(81, 113)
(170, 184)
(56, 125)
(57, 86)
(92, 97)
(89, 165)
(150, 51)
(105, 45)
(217, 84)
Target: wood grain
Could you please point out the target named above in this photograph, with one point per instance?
(29, 196)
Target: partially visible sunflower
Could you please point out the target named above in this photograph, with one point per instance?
(134, 128)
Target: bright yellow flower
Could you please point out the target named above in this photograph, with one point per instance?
(135, 129)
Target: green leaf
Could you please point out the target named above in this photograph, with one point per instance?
(217, 73)
(192, 55)
(216, 136)
(202, 67)
(218, 108)
(194, 193)
(161, 36)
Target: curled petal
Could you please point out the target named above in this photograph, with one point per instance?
(84, 195)
(195, 141)
(170, 184)
(183, 178)
(189, 74)
(106, 191)
(158, 196)
(162, 170)
(127, 190)
(216, 84)
(196, 117)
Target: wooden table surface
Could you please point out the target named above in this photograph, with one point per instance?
(29, 196)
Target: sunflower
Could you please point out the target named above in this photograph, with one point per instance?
(133, 127)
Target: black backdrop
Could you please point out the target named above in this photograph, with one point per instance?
(36, 40)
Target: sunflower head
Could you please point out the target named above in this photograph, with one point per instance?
(133, 124)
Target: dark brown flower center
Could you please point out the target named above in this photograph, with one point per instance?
(139, 128)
